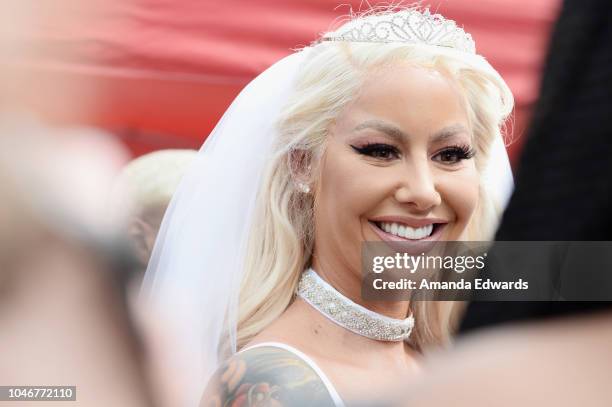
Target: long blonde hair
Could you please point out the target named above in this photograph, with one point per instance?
(281, 239)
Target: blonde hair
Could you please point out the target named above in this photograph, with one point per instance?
(281, 241)
(150, 180)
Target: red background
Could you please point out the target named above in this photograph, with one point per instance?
(159, 73)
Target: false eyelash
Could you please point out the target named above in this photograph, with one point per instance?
(465, 152)
(371, 148)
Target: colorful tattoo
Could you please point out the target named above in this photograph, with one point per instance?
(266, 377)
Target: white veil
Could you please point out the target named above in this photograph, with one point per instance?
(195, 270)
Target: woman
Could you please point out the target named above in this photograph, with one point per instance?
(382, 130)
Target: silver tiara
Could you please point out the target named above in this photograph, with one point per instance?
(411, 26)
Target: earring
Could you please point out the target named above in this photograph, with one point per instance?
(303, 187)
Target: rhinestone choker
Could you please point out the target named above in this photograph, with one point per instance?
(344, 312)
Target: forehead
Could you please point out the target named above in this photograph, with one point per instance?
(415, 99)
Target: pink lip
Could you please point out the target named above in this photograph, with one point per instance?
(412, 246)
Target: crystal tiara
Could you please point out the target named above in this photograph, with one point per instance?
(410, 26)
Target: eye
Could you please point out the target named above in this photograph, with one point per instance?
(380, 151)
(454, 154)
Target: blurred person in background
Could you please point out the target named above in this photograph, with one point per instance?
(63, 265)
(63, 314)
(563, 189)
(560, 362)
(359, 137)
(143, 190)
(139, 199)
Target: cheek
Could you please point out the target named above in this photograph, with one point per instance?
(460, 191)
(347, 190)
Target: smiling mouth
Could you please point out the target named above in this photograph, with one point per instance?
(407, 232)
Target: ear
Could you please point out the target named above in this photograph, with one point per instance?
(301, 169)
(142, 236)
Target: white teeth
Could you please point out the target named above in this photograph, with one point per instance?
(394, 229)
(406, 231)
(411, 234)
(401, 231)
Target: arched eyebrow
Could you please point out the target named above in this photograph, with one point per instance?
(448, 132)
(399, 136)
(384, 127)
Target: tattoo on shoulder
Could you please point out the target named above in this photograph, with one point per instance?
(266, 377)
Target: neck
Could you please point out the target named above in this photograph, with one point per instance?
(348, 283)
(324, 340)
(308, 329)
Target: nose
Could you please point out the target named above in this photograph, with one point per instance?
(418, 188)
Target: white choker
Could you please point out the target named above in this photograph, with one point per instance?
(344, 312)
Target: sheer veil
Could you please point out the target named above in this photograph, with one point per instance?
(194, 274)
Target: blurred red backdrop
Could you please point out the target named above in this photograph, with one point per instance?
(160, 73)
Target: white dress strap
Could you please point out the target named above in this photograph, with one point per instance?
(328, 384)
